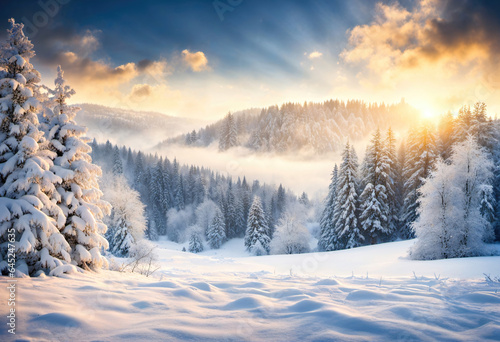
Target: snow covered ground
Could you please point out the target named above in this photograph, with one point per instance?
(366, 294)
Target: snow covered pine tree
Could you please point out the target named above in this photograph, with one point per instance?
(326, 240)
(216, 232)
(28, 193)
(256, 237)
(80, 195)
(374, 199)
(347, 231)
(195, 242)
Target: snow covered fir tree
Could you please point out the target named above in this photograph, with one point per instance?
(28, 185)
(258, 234)
(216, 232)
(79, 190)
(50, 196)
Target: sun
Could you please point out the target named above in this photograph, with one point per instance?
(428, 113)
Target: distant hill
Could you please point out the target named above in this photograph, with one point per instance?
(312, 127)
(130, 127)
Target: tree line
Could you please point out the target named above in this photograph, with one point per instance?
(317, 127)
(383, 198)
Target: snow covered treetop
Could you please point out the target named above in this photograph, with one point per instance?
(61, 93)
(17, 43)
(16, 53)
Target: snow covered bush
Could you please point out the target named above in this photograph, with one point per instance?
(257, 233)
(258, 249)
(450, 223)
(177, 223)
(144, 259)
(290, 237)
(126, 224)
(28, 194)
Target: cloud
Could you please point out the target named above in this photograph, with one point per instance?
(140, 91)
(455, 44)
(75, 52)
(195, 60)
(84, 69)
(153, 67)
(454, 32)
(315, 54)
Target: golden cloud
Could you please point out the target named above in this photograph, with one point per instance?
(197, 61)
(315, 54)
(399, 40)
(433, 50)
(87, 70)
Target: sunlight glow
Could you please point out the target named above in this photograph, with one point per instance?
(428, 113)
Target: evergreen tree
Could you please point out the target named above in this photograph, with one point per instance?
(484, 129)
(240, 222)
(79, 190)
(140, 180)
(399, 187)
(327, 223)
(280, 202)
(304, 199)
(216, 233)
(421, 156)
(445, 135)
(130, 161)
(374, 198)
(117, 162)
(257, 230)
(167, 185)
(229, 133)
(179, 198)
(231, 213)
(27, 185)
(464, 123)
(156, 194)
(151, 231)
(389, 180)
(195, 242)
(246, 200)
(347, 233)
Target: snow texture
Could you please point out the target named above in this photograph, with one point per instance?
(362, 294)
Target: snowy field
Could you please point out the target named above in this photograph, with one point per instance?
(366, 294)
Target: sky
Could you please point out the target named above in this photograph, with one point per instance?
(201, 59)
